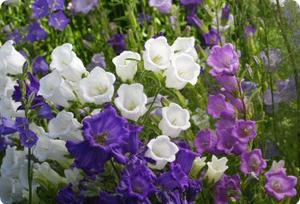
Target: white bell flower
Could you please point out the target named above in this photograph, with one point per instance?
(10, 190)
(65, 127)
(216, 168)
(174, 120)
(126, 65)
(97, 87)
(185, 45)
(6, 86)
(73, 176)
(49, 149)
(67, 63)
(11, 61)
(131, 101)
(46, 173)
(54, 88)
(12, 162)
(9, 108)
(162, 151)
(157, 54)
(183, 70)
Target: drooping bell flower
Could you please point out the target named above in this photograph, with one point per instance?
(252, 162)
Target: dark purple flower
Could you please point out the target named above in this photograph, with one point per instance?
(40, 66)
(248, 87)
(66, 195)
(228, 82)
(244, 131)
(227, 121)
(40, 9)
(4, 142)
(223, 60)
(176, 178)
(279, 185)
(185, 158)
(16, 36)
(194, 20)
(137, 181)
(252, 162)
(84, 6)
(106, 134)
(36, 32)
(117, 42)
(144, 18)
(212, 37)
(271, 59)
(7, 126)
(225, 13)
(45, 111)
(226, 141)
(190, 2)
(250, 31)
(97, 60)
(217, 105)
(56, 5)
(58, 21)
(226, 188)
(27, 137)
(205, 141)
(163, 6)
(108, 198)
(171, 197)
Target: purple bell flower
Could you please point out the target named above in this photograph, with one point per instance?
(250, 31)
(190, 2)
(36, 32)
(7, 126)
(228, 82)
(66, 195)
(40, 66)
(106, 134)
(40, 9)
(84, 6)
(164, 6)
(248, 87)
(275, 58)
(244, 131)
(212, 37)
(194, 20)
(205, 141)
(137, 181)
(279, 185)
(56, 5)
(223, 60)
(117, 42)
(227, 188)
(217, 105)
(27, 137)
(225, 13)
(185, 158)
(252, 162)
(16, 36)
(226, 141)
(58, 21)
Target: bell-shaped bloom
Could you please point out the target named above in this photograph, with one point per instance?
(58, 21)
(44, 172)
(276, 166)
(67, 63)
(174, 120)
(54, 88)
(40, 65)
(28, 138)
(244, 131)
(137, 181)
(97, 87)
(252, 162)
(11, 61)
(40, 9)
(83, 6)
(227, 189)
(212, 37)
(157, 54)
(182, 70)
(162, 151)
(229, 83)
(205, 141)
(65, 127)
(223, 22)
(126, 64)
(11, 190)
(217, 106)
(131, 101)
(164, 6)
(12, 162)
(198, 164)
(49, 149)
(216, 168)
(280, 186)
(106, 135)
(185, 45)
(223, 60)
